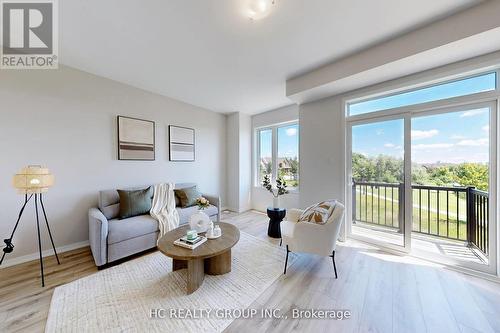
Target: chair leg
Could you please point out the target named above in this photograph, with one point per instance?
(286, 260)
(334, 266)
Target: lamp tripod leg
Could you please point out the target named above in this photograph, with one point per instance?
(39, 239)
(9, 247)
(48, 228)
(3, 256)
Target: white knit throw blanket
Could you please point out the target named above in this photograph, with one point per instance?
(163, 208)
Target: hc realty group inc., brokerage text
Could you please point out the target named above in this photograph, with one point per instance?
(273, 313)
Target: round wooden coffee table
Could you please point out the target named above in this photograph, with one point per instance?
(212, 257)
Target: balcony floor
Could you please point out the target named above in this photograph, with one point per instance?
(457, 250)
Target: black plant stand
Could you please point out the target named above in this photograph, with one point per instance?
(9, 247)
(276, 215)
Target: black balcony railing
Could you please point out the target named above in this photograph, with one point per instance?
(477, 231)
(459, 213)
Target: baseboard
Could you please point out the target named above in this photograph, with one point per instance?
(47, 253)
(230, 209)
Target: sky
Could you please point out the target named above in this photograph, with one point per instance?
(288, 141)
(447, 138)
(455, 137)
(476, 84)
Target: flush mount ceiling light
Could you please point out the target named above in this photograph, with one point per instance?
(258, 9)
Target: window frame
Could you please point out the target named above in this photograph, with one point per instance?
(380, 92)
(274, 152)
(422, 80)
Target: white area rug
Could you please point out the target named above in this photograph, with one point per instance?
(120, 299)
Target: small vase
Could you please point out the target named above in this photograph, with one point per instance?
(199, 221)
(276, 202)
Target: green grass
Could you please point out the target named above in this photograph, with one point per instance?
(383, 210)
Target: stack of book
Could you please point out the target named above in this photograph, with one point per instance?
(190, 243)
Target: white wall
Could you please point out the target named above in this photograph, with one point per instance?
(321, 151)
(261, 198)
(66, 120)
(245, 156)
(239, 159)
(277, 116)
(233, 162)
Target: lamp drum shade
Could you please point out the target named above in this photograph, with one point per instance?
(33, 179)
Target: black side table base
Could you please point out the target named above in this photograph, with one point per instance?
(276, 215)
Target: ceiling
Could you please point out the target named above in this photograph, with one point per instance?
(207, 53)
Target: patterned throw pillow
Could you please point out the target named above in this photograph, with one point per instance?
(318, 213)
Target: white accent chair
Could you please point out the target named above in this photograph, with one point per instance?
(307, 237)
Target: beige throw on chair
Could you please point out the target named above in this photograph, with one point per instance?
(163, 208)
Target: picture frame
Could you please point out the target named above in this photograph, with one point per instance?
(136, 139)
(182, 145)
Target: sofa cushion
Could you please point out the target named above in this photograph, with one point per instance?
(185, 213)
(180, 186)
(112, 211)
(109, 203)
(187, 196)
(135, 202)
(318, 213)
(109, 200)
(120, 230)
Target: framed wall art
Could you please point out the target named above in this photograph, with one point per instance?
(182, 144)
(136, 139)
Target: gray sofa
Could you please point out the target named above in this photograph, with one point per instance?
(112, 239)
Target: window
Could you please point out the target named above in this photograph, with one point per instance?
(426, 174)
(463, 87)
(266, 153)
(278, 154)
(288, 154)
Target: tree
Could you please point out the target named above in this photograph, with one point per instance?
(420, 175)
(293, 163)
(382, 168)
(444, 176)
(266, 167)
(389, 169)
(472, 174)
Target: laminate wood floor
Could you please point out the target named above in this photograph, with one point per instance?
(384, 292)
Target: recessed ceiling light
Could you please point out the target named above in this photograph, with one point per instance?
(258, 9)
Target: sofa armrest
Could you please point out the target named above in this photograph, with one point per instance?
(214, 200)
(98, 235)
(293, 214)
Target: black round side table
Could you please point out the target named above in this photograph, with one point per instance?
(276, 215)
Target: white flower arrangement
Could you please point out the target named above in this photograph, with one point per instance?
(202, 203)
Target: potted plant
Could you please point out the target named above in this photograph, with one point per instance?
(277, 191)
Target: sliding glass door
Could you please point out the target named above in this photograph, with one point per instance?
(378, 181)
(423, 181)
(453, 164)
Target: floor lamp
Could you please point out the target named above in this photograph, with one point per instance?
(32, 181)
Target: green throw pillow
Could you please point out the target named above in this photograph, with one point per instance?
(134, 203)
(187, 196)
